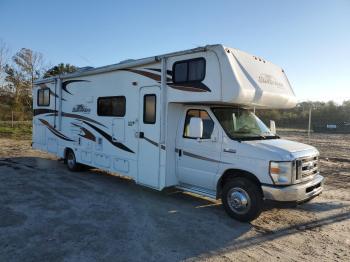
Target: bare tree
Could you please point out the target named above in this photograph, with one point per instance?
(30, 63)
(26, 66)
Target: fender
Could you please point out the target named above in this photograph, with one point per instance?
(232, 173)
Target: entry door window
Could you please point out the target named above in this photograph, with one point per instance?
(208, 123)
(149, 109)
(43, 97)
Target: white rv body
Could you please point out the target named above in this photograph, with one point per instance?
(156, 154)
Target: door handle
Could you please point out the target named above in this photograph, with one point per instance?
(179, 151)
(140, 134)
(230, 150)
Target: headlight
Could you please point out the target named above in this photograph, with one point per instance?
(282, 172)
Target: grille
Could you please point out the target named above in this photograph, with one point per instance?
(307, 168)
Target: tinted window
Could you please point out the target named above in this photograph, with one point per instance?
(111, 106)
(149, 109)
(189, 70)
(208, 124)
(196, 70)
(43, 98)
(181, 72)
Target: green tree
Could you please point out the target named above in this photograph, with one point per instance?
(60, 69)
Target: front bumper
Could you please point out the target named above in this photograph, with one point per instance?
(294, 193)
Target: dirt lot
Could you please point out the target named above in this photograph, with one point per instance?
(50, 214)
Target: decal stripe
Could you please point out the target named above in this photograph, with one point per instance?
(80, 117)
(193, 87)
(190, 87)
(143, 73)
(185, 153)
(55, 132)
(151, 141)
(55, 113)
(109, 138)
(168, 72)
(41, 111)
(150, 75)
(87, 134)
(154, 143)
(66, 83)
(53, 94)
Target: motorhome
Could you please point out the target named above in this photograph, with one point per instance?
(184, 119)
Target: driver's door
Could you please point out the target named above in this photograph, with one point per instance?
(198, 159)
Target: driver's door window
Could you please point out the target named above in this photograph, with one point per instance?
(208, 124)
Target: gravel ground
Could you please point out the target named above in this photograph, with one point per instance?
(50, 214)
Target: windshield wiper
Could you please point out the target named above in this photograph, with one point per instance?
(257, 137)
(272, 137)
(245, 138)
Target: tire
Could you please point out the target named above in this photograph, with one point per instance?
(71, 161)
(242, 199)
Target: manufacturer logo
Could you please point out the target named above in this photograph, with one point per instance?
(269, 79)
(81, 108)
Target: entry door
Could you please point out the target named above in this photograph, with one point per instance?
(198, 159)
(149, 137)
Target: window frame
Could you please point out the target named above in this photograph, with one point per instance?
(188, 61)
(37, 96)
(144, 109)
(106, 97)
(184, 125)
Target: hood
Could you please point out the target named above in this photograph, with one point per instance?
(287, 149)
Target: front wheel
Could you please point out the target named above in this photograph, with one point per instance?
(71, 161)
(242, 199)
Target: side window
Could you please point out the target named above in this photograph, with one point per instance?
(208, 123)
(43, 97)
(149, 109)
(192, 70)
(111, 106)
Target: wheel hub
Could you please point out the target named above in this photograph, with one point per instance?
(239, 200)
(70, 160)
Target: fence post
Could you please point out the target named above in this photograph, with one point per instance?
(308, 131)
(12, 119)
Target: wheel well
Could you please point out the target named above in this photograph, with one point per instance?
(233, 173)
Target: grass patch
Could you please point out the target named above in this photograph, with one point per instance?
(19, 132)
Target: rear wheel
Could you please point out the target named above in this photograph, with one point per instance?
(71, 161)
(242, 199)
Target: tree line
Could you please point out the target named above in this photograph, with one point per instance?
(322, 114)
(19, 71)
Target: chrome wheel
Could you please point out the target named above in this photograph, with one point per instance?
(238, 200)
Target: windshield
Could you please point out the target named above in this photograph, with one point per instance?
(241, 124)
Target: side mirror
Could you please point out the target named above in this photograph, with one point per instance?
(195, 129)
(272, 126)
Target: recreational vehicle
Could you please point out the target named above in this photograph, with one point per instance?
(183, 119)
